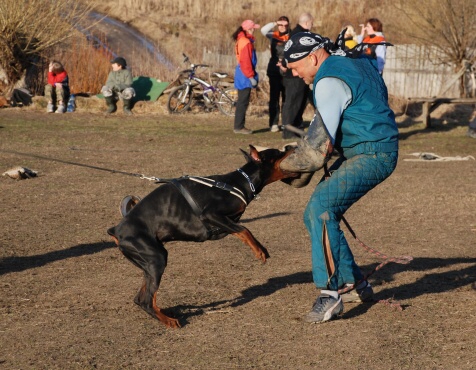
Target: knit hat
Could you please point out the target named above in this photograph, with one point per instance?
(119, 60)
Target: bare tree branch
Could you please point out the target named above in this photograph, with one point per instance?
(30, 27)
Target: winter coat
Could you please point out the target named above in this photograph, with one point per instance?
(246, 58)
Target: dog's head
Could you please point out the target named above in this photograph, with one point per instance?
(268, 160)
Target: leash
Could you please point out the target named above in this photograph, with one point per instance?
(140, 175)
(386, 259)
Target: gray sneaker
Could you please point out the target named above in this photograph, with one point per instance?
(244, 130)
(50, 108)
(365, 294)
(325, 308)
(60, 109)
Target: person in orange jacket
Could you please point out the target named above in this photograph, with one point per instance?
(246, 76)
(277, 39)
(374, 30)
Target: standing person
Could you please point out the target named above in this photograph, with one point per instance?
(276, 88)
(374, 30)
(57, 89)
(354, 118)
(296, 90)
(118, 86)
(350, 37)
(246, 76)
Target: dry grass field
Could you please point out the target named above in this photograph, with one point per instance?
(190, 26)
(67, 291)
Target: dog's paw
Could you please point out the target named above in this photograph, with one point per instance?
(262, 254)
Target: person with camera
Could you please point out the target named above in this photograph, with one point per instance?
(277, 40)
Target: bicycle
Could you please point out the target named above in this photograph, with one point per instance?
(194, 88)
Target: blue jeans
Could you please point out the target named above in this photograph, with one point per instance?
(333, 263)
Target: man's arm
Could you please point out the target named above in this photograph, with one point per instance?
(332, 96)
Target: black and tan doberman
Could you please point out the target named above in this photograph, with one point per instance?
(193, 209)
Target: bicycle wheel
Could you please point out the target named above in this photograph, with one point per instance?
(226, 101)
(180, 99)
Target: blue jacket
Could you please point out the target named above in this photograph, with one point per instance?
(247, 60)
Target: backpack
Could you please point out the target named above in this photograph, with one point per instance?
(21, 97)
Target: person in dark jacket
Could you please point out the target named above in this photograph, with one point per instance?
(352, 117)
(277, 40)
(296, 90)
(118, 86)
(246, 76)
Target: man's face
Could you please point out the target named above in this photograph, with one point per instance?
(116, 67)
(304, 68)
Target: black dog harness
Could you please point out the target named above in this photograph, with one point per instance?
(211, 230)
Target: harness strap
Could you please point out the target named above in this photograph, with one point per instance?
(221, 185)
(196, 209)
(211, 230)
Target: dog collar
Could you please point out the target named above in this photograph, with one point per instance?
(252, 187)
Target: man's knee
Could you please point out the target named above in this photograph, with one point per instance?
(107, 91)
(128, 93)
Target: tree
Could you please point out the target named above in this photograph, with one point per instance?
(448, 25)
(31, 27)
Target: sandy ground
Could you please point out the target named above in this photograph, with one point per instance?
(67, 291)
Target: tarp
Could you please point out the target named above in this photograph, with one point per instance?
(146, 88)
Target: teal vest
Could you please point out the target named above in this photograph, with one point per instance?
(367, 124)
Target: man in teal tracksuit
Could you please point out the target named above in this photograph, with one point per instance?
(352, 117)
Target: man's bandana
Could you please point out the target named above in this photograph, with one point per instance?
(304, 43)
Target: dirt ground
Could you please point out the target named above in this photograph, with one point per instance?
(67, 291)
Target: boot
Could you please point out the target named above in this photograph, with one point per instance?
(111, 104)
(127, 106)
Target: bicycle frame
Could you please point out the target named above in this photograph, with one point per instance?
(213, 95)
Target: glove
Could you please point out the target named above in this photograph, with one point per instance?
(254, 83)
(301, 181)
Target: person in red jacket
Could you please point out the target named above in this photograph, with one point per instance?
(57, 89)
(246, 76)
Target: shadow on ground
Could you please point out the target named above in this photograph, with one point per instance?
(433, 283)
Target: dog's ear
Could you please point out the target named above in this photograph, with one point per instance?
(254, 154)
(247, 156)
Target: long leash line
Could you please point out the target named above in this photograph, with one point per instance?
(142, 176)
(400, 260)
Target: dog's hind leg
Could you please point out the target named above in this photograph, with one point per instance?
(148, 302)
(151, 256)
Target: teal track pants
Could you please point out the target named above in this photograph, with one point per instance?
(333, 263)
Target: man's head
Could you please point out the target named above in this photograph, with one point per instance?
(304, 54)
(306, 21)
(118, 63)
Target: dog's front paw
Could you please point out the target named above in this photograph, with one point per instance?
(262, 254)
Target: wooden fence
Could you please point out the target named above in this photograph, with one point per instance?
(410, 71)
(414, 71)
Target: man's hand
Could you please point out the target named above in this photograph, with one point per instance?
(253, 81)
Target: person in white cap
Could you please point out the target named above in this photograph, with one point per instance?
(246, 76)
